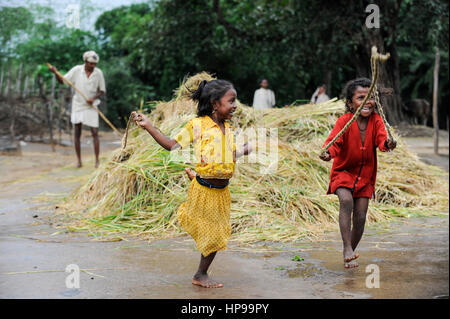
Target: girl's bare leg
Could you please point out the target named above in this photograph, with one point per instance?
(345, 221)
(359, 219)
(201, 276)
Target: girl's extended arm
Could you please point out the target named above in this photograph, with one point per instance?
(164, 141)
(336, 146)
(381, 138)
(245, 150)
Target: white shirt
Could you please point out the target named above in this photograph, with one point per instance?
(263, 99)
(320, 99)
(89, 86)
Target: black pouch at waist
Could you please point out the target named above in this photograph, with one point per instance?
(204, 182)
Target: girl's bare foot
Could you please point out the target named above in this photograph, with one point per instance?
(353, 257)
(351, 264)
(190, 173)
(349, 255)
(79, 165)
(97, 163)
(205, 282)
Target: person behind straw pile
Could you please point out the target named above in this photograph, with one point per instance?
(206, 213)
(89, 80)
(264, 98)
(320, 95)
(354, 169)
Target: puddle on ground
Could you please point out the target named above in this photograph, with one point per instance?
(412, 256)
(304, 271)
(405, 273)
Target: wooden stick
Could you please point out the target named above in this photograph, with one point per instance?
(86, 98)
(435, 102)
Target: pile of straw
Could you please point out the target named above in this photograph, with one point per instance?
(138, 194)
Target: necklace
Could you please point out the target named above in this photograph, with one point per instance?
(361, 129)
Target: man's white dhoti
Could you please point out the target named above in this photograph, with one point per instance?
(87, 117)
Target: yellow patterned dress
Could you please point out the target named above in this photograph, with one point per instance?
(206, 213)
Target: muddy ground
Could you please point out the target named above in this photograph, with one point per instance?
(412, 255)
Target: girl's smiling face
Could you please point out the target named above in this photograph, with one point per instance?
(358, 98)
(226, 106)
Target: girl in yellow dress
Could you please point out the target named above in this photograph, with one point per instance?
(206, 213)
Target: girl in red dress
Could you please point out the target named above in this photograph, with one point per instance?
(354, 168)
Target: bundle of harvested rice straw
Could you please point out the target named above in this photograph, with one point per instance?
(137, 192)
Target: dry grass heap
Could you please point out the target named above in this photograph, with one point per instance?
(138, 194)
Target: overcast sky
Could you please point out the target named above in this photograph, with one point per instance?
(60, 7)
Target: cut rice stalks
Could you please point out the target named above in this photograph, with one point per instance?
(137, 192)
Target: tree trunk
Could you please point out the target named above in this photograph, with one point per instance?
(67, 103)
(12, 105)
(388, 73)
(435, 102)
(47, 110)
(1, 83)
(8, 82)
(18, 80)
(53, 87)
(61, 109)
(32, 85)
(25, 87)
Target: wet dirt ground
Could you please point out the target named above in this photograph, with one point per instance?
(411, 255)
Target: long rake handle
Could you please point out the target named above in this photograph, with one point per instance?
(86, 98)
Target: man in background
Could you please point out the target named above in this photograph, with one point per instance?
(89, 80)
(319, 95)
(264, 98)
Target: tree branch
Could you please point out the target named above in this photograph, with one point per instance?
(228, 26)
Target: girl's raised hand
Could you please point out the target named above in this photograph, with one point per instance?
(325, 156)
(140, 119)
(248, 148)
(391, 144)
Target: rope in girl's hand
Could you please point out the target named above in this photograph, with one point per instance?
(125, 137)
(130, 119)
(373, 86)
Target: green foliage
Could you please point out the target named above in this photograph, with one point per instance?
(297, 258)
(297, 45)
(417, 63)
(63, 50)
(124, 92)
(147, 49)
(12, 21)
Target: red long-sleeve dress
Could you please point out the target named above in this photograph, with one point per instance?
(354, 164)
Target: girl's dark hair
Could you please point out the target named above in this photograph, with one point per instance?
(209, 92)
(350, 89)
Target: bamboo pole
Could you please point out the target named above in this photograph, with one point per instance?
(435, 103)
(86, 98)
